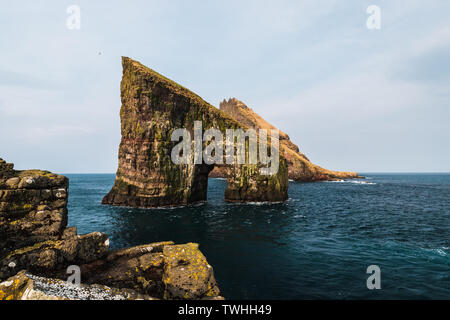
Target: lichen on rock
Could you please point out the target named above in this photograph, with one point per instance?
(187, 274)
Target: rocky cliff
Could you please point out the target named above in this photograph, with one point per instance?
(300, 167)
(34, 237)
(152, 108)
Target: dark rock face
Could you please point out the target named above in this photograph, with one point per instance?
(6, 169)
(34, 237)
(46, 257)
(300, 167)
(152, 108)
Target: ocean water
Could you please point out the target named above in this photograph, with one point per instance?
(317, 245)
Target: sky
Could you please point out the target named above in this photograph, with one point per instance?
(352, 98)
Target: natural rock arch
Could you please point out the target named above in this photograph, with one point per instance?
(152, 107)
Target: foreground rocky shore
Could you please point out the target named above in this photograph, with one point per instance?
(37, 247)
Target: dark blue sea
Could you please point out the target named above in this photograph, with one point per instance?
(317, 245)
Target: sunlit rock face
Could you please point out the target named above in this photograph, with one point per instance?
(299, 166)
(152, 108)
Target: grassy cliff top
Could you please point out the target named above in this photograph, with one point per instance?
(159, 78)
(176, 88)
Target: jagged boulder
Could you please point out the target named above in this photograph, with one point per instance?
(187, 274)
(6, 169)
(152, 108)
(300, 167)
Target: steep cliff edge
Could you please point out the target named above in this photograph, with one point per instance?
(34, 237)
(300, 167)
(152, 108)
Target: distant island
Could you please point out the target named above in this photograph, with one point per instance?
(300, 168)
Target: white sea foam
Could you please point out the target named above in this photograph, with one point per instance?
(362, 182)
(261, 203)
(442, 251)
(353, 181)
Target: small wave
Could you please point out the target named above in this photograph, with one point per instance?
(362, 182)
(132, 209)
(442, 251)
(353, 181)
(261, 203)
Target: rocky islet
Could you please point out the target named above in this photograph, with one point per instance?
(152, 108)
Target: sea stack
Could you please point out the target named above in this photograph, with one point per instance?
(300, 167)
(152, 108)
